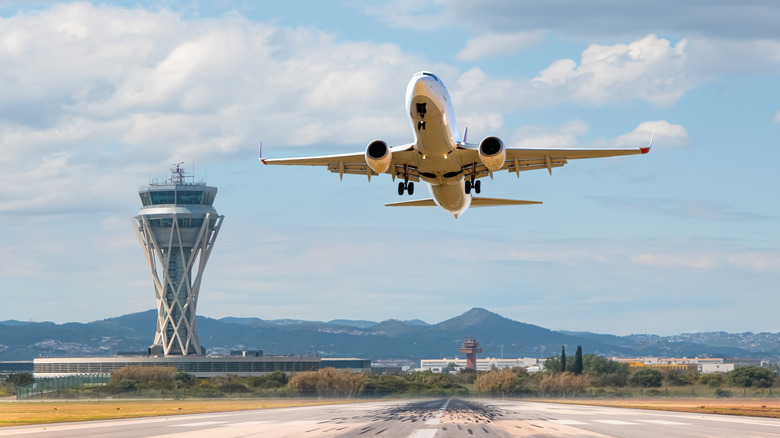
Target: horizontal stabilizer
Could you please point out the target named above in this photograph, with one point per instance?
(492, 202)
(475, 202)
(416, 203)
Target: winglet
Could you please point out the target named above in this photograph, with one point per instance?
(260, 154)
(647, 149)
(465, 135)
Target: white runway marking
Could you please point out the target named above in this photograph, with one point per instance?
(202, 423)
(247, 423)
(671, 423)
(568, 422)
(433, 421)
(424, 433)
(615, 422)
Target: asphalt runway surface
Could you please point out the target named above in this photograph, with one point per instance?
(429, 418)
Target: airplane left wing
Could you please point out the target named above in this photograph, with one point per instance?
(402, 163)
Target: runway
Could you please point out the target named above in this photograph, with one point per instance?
(429, 418)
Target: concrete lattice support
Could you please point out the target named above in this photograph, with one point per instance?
(172, 261)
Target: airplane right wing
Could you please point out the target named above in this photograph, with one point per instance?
(522, 159)
(404, 163)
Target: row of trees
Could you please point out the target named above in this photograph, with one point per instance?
(586, 374)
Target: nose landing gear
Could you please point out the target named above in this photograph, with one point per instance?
(422, 110)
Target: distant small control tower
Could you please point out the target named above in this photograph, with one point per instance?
(471, 348)
(177, 227)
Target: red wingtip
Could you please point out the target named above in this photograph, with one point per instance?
(645, 150)
(262, 160)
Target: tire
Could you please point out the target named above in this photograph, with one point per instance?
(410, 188)
(400, 188)
(468, 187)
(477, 186)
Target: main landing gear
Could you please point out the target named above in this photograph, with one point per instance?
(405, 187)
(476, 185)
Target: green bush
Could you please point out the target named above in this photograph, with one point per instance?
(647, 378)
(752, 377)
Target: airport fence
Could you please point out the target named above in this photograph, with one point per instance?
(48, 386)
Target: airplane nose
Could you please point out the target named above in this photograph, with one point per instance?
(423, 86)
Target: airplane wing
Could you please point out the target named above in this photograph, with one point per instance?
(521, 159)
(403, 157)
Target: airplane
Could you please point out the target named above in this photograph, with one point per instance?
(442, 158)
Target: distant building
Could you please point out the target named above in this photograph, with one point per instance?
(353, 364)
(15, 367)
(704, 365)
(484, 364)
(200, 366)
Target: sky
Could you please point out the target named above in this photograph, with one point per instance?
(99, 98)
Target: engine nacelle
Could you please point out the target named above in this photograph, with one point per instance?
(492, 153)
(378, 156)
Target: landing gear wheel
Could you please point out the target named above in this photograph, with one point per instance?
(477, 186)
(400, 188)
(468, 187)
(410, 188)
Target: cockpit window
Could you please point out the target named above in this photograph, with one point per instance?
(425, 73)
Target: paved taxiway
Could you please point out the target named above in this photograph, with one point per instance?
(428, 418)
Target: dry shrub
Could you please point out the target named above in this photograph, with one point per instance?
(563, 384)
(497, 382)
(144, 375)
(328, 382)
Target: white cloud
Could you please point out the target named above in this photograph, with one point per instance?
(92, 88)
(650, 69)
(495, 44)
(564, 135)
(666, 135)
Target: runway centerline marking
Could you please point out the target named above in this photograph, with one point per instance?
(201, 423)
(424, 433)
(616, 422)
(671, 423)
(568, 422)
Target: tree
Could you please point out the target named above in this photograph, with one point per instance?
(648, 378)
(751, 376)
(605, 372)
(563, 359)
(578, 361)
(19, 379)
(712, 380)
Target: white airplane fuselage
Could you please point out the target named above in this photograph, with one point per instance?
(436, 138)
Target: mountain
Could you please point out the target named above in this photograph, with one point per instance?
(360, 338)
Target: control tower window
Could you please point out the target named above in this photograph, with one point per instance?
(163, 197)
(188, 197)
(145, 199)
(208, 198)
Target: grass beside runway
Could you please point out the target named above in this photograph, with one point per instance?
(769, 408)
(26, 413)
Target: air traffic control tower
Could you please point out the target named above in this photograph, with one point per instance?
(177, 227)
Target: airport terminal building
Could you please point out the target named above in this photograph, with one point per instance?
(200, 366)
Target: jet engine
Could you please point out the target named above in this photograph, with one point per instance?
(378, 156)
(492, 153)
